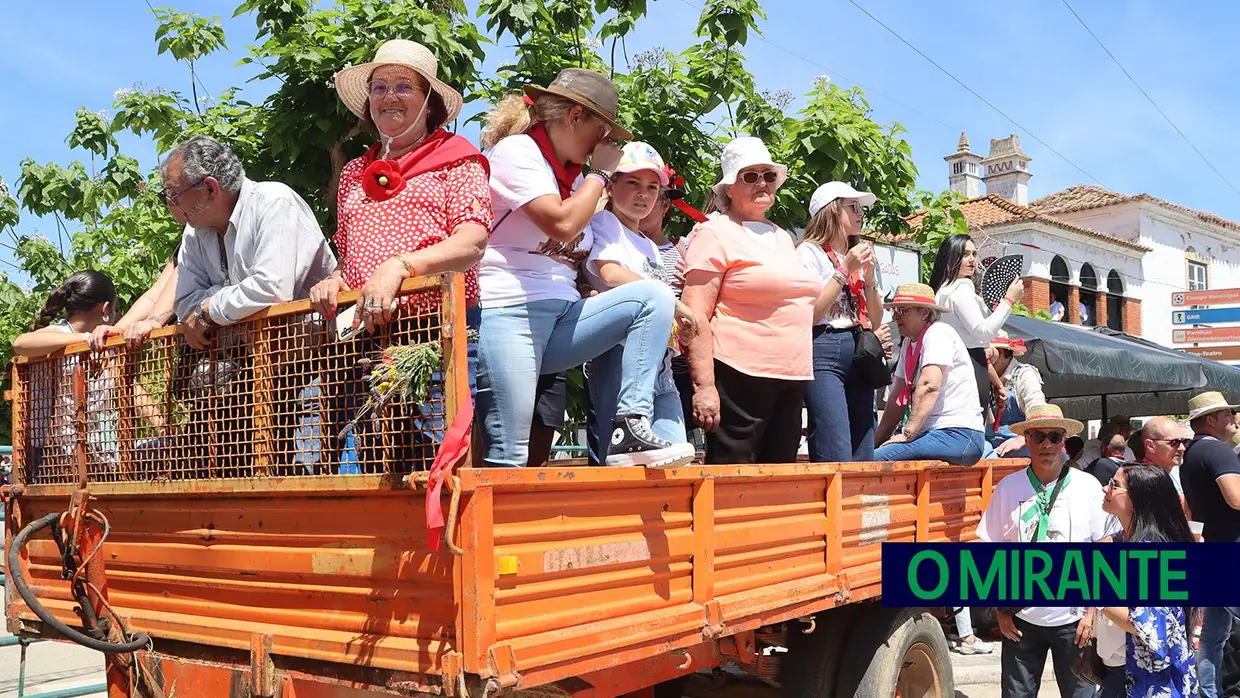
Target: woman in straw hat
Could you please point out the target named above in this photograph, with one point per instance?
(752, 362)
(839, 403)
(534, 319)
(1022, 389)
(417, 202)
(935, 389)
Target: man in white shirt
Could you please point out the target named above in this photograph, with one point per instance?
(1045, 502)
(935, 382)
(247, 245)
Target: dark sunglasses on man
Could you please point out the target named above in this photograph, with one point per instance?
(1175, 443)
(1037, 437)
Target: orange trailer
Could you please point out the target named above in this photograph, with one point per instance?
(260, 562)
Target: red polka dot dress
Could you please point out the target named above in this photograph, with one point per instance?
(425, 212)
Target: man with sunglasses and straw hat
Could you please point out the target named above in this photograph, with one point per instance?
(1210, 476)
(1048, 501)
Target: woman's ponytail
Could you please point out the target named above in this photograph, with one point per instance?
(513, 116)
(82, 291)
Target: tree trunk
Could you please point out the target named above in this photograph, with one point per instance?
(338, 163)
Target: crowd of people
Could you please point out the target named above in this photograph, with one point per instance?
(735, 330)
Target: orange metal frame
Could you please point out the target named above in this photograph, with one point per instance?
(570, 575)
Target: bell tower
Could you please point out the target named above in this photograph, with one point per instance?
(964, 170)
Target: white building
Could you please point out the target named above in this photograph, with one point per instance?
(1119, 256)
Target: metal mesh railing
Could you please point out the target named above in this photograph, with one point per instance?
(280, 394)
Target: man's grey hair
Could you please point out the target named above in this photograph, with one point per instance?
(203, 156)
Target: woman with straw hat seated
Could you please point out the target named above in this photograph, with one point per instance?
(934, 386)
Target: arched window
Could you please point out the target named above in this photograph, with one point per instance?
(1115, 283)
(1089, 277)
(1115, 301)
(1059, 270)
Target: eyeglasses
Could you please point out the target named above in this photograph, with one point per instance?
(751, 177)
(170, 199)
(1175, 443)
(1037, 437)
(403, 89)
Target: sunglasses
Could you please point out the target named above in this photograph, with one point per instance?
(751, 177)
(1037, 437)
(171, 198)
(1115, 486)
(854, 207)
(1175, 443)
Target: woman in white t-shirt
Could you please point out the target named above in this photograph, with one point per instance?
(934, 390)
(840, 407)
(534, 320)
(621, 255)
(952, 281)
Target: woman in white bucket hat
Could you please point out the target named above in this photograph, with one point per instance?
(840, 405)
(417, 203)
(750, 365)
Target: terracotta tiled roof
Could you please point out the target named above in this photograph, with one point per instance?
(992, 209)
(1087, 196)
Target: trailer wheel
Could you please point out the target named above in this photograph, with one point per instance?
(809, 670)
(897, 652)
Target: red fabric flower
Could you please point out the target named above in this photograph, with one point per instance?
(382, 180)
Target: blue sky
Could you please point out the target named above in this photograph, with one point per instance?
(1031, 60)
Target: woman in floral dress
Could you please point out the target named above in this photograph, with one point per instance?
(1158, 656)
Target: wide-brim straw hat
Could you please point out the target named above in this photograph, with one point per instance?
(1207, 403)
(591, 90)
(353, 83)
(914, 296)
(1047, 417)
(1003, 341)
(743, 152)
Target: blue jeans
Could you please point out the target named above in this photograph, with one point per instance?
(518, 343)
(953, 444)
(603, 380)
(840, 409)
(1216, 625)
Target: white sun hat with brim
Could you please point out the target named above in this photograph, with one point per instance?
(747, 152)
(1207, 403)
(353, 83)
(831, 191)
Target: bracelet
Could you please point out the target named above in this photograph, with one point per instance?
(404, 260)
(587, 171)
(840, 278)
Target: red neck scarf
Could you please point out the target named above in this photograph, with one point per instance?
(856, 285)
(565, 175)
(439, 150)
(912, 357)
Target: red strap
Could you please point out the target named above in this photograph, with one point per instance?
(454, 447)
(689, 210)
(856, 284)
(912, 357)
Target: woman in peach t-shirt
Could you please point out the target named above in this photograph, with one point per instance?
(751, 364)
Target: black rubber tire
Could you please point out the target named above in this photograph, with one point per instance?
(809, 670)
(875, 656)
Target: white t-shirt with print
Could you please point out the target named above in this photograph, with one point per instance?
(521, 264)
(957, 404)
(1076, 517)
(613, 242)
(840, 314)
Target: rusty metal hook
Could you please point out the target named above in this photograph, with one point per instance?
(454, 484)
(811, 622)
(688, 660)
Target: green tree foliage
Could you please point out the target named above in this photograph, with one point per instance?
(687, 104)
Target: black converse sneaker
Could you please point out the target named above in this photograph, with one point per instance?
(632, 443)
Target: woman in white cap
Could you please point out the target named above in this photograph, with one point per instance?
(840, 405)
(752, 362)
(534, 320)
(621, 255)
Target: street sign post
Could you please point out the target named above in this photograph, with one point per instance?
(1206, 316)
(1206, 334)
(1221, 296)
(1230, 352)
